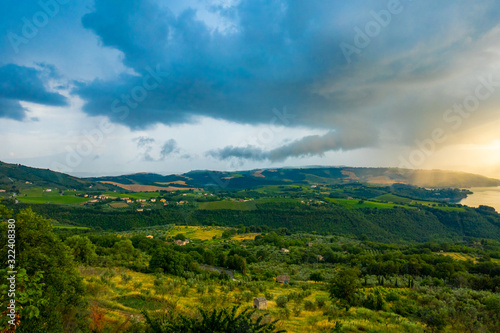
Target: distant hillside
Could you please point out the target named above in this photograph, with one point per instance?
(312, 175)
(21, 176)
(15, 176)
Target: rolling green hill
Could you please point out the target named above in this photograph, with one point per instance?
(14, 177)
(310, 176)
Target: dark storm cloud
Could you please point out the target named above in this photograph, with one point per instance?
(272, 61)
(287, 53)
(11, 109)
(19, 83)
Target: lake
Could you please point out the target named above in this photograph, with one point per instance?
(489, 196)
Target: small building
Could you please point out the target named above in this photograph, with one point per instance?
(2, 190)
(260, 303)
(285, 250)
(181, 242)
(310, 244)
(140, 209)
(48, 190)
(149, 236)
(153, 200)
(283, 279)
(320, 257)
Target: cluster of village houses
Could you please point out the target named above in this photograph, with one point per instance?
(141, 202)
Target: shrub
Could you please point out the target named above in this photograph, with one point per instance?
(282, 301)
(184, 291)
(285, 312)
(126, 278)
(211, 289)
(331, 311)
(320, 301)
(247, 296)
(392, 296)
(297, 310)
(217, 320)
(309, 306)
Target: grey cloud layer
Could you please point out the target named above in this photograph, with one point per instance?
(284, 53)
(19, 83)
(307, 146)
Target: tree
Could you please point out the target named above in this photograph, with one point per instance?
(124, 250)
(344, 287)
(82, 249)
(316, 276)
(50, 287)
(180, 237)
(170, 261)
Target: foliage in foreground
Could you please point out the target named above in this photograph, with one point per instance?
(221, 321)
(49, 289)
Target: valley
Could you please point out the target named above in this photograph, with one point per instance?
(356, 256)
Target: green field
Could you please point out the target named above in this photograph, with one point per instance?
(282, 189)
(38, 195)
(355, 204)
(402, 200)
(39, 192)
(61, 200)
(119, 204)
(227, 204)
(389, 197)
(69, 227)
(276, 200)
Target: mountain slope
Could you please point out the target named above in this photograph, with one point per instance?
(16, 176)
(316, 175)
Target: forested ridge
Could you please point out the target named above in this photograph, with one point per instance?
(389, 225)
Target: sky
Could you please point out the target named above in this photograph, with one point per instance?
(108, 87)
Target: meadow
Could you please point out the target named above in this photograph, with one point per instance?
(39, 195)
(120, 296)
(227, 204)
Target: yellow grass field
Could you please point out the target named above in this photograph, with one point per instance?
(207, 233)
(250, 235)
(202, 233)
(117, 301)
(178, 182)
(458, 256)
